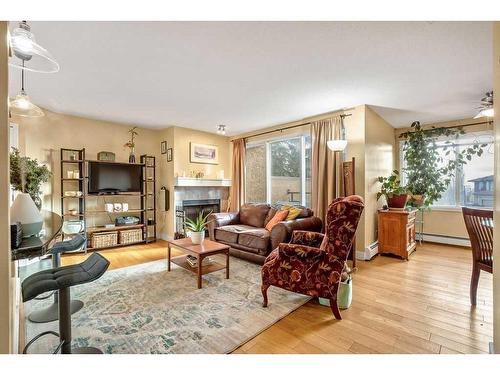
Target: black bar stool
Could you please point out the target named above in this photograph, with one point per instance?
(51, 313)
(62, 279)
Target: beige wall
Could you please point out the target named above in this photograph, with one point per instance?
(179, 140)
(43, 137)
(182, 139)
(6, 282)
(356, 141)
(496, 235)
(379, 161)
(445, 222)
(166, 224)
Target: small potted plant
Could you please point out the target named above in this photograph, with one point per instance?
(196, 228)
(391, 188)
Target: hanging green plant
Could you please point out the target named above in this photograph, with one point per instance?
(427, 172)
(27, 176)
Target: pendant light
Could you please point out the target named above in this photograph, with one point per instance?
(22, 106)
(486, 109)
(25, 48)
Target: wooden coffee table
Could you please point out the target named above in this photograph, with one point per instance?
(205, 249)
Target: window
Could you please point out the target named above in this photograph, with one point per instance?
(279, 171)
(473, 183)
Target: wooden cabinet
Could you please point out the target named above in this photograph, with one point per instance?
(396, 232)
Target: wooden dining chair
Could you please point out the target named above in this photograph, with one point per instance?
(479, 224)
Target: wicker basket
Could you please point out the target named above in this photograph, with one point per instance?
(130, 236)
(105, 239)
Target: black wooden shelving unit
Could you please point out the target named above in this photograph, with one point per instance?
(147, 197)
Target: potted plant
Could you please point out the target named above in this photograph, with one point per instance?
(196, 228)
(27, 176)
(395, 194)
(428, 173)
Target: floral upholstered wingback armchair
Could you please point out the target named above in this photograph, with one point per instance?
(312, 263)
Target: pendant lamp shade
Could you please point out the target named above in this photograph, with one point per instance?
(25, 211)
(28, 54)
(21, 105)
(337, 144)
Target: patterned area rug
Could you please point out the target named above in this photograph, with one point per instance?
(145, 309)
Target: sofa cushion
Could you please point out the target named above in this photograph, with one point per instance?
(256, 238)
(229, 233)
(270, 214)
(254, 214)
(280, 216)
(304, 211)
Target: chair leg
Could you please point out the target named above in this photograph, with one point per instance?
(264, 289)
(473, 285)
(335, 308)
(65, 320)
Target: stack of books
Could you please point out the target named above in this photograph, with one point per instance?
(193, 261)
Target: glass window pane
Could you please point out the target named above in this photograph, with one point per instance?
(477, 180)
(255, 179)
(448, 198)
(286, 156)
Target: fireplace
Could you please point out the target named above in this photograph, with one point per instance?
(191, 208)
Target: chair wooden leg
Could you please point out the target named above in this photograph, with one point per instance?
(264, 289)
(473, 285)
(335, 308)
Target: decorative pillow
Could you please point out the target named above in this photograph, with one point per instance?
(279, 216)
(293, 212)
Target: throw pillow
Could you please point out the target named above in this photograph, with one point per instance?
(279, 216)
(293, 212)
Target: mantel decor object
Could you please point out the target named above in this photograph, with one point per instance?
(131, 144)
(106, 156)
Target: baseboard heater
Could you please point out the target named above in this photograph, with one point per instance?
(368, 252)
(448, 240)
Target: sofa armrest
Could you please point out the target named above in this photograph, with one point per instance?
(220, 219)
(282, 232)
(300, 251)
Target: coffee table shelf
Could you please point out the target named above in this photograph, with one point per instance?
(208, 268)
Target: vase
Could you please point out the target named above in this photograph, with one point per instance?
(131, 157)
(196, 237)
(25, 211)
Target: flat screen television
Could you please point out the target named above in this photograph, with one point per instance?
(112, 178)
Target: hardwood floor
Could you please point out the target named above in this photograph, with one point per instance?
(419, 306)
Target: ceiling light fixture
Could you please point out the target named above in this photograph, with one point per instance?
(486, 108)
(221, 129)
(25, 48)
(22, 106)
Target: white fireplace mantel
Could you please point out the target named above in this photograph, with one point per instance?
(202, 182)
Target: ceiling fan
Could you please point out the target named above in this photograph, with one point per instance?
(486, 106)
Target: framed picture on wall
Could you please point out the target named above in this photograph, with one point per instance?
(164, 147)
(204, 154)
(169, 154)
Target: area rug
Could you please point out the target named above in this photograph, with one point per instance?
(145, 309)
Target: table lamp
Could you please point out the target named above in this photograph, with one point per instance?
(25, 211)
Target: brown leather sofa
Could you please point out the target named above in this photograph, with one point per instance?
(245, 230)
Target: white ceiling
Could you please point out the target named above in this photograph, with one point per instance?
(250, 75)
